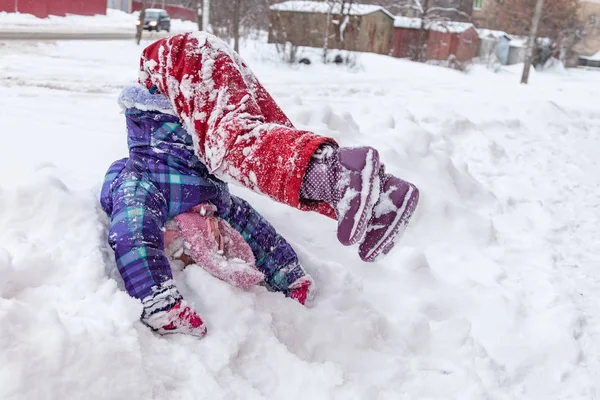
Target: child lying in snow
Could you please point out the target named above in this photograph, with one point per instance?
(200, 111)
(161, 180)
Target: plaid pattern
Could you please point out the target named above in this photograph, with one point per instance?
(161, 179)
(274, 256)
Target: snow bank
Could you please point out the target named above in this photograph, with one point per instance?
(114, 20)
(491, 293)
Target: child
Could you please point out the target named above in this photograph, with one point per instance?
(200, 111)
(162, 179)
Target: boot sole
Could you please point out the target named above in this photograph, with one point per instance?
(396, 228)
(365, 208)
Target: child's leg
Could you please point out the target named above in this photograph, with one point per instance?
(239, 131)
(242, 134)
(372, 211)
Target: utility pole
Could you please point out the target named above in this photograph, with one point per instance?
(537, 15)
(140, 27)
(236, 25)
(199, 14)
(206, 15)
(16, 6)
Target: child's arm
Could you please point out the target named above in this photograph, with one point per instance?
(138, 213)
(137, 217)
(275, 257)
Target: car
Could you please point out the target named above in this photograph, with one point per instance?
(156, 20)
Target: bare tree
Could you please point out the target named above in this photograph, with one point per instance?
(206, 15)
(537, 15)
(430, 13)
(236, 24)
(140, 27)
(339, 15)
(199, 14)
(558, 21)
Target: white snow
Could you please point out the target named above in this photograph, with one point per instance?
(439, 26)
(490, 33)
(113, 21)
(323, 7)
(491, 294)
(595, 57)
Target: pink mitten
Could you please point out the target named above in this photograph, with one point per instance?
(302, 290)
(181, 318)
(218, 248)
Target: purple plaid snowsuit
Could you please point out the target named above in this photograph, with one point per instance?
(162, 178)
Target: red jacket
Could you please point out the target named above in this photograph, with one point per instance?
(239, 131)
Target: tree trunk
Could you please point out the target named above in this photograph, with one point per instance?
(326, 38)
(206, 15)
(236, 25)
(140, 27)
(199, 14)
(420, 53)
(537, 15)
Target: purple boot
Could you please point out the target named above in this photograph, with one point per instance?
(348, 180)
(396, 204)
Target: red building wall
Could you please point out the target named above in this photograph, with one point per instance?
(43, 8)
(468, 45)
(175, 12)
(440, 45)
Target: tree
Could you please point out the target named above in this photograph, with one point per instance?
(558, 22)
(537, 14)
(140, 27)
(428, 13)
(206, 15)
(236, 25)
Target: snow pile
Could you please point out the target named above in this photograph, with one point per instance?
(491, 293)
(114, 21)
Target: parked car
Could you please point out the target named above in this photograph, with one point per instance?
(156, 20)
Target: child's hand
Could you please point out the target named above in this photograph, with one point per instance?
(181, 318)
(302, 293)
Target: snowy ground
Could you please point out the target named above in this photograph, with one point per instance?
(494, 293)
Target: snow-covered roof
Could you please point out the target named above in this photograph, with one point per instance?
(154, 9)
(322, 7)
(489, 33)
(439, 26)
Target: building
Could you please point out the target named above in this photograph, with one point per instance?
(123, 5)
(443, 39)
(484, 12)
(175, 11)
(495, 46)
(589, 14)
(44, 8)
(361, 27)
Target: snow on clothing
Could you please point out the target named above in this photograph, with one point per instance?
(239, 132)
(161, 179)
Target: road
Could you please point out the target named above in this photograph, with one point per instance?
(74, 35)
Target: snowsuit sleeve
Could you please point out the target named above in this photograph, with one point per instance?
(275, 257)
(138, 213)
(239, 131)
